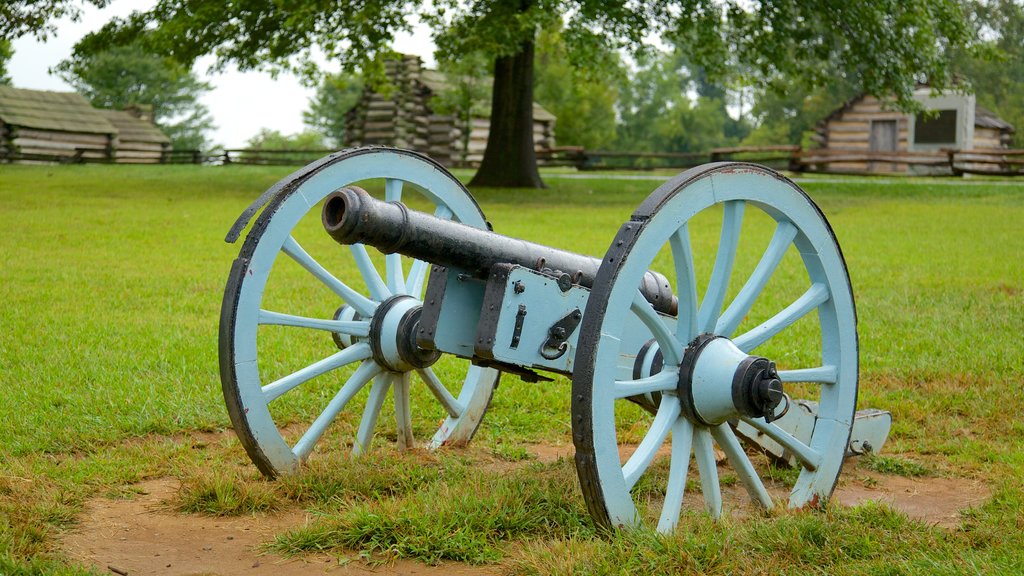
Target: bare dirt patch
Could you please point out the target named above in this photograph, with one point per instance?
(933, 500)
(142, 536)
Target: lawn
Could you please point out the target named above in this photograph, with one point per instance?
(110, 288)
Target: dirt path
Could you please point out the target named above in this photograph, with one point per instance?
(142, 536)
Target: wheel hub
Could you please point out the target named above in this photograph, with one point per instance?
(392, 335)
(718, 382)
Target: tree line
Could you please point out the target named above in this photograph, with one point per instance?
(721, 72)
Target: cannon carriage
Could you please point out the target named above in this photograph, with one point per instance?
(667, 359)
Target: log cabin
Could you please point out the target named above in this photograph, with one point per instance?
(405, 117)
(42, 126)
(868, 135)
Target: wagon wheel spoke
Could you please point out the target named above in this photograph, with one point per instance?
(815, 296)
(640, 460)
(704, 453)
(671, 347)
(393, 261)
(279, 387)
(714, 296)
(686, 284)
(403, 414)
(784, 234)
(682, 444)
(349, 327)
(367, 370)
(414, 282)
(741, 463)
(374, 283)
(438, 389)
(821, 375)
(374, 402)
(663, 381)
(807, 456)
(361, 303)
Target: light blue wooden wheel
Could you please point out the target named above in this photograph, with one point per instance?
(350, 293)
(812, 327)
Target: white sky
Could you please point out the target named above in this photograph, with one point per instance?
(241, 102)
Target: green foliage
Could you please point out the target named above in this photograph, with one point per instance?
(129, 75)
(308, 146)
(998, 81)
(467, 92)
(21, 17)
(582, 100)
(787, 111)
(335, 96)
(267, 139)
(658, 114)
(881, 47)
(5, 55)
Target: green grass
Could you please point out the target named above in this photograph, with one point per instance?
(110, 287)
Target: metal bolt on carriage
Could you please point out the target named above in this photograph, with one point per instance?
(722, 297)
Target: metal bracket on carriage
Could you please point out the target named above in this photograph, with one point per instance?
(870, 430)
(558, 335)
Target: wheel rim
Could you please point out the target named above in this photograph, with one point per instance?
(618, 322)
(250, 393)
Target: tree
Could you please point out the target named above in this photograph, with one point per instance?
(669, 105)
(22, 17)
(887, 44)
(999, 80)
(302, 143)
(786, 112)
(127, 75)
(5, 55)
(582, 100)
(335, 95)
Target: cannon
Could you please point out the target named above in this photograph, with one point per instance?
(723, 294)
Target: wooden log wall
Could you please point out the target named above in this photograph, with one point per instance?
(850, 130)
(138, 152)
(39, 144)
(405, 119)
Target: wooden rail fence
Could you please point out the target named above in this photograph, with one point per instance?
(994, 161)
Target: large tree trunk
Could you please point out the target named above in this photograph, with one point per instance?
(509, 160)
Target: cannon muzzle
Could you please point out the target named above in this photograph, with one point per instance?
(351, 216)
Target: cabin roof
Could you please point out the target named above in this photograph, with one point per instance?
(983, 117)
(131, 128)
(987, 119)
(57, 111)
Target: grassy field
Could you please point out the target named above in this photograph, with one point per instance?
(110, 287)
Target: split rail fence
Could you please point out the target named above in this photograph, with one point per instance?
(1000, 162)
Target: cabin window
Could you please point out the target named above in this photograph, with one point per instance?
(935, 128)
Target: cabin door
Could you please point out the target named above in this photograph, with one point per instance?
(883, 139)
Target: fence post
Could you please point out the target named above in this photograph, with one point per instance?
(794, 160)
(227, 157)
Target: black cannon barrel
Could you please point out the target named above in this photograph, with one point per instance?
(351, 216)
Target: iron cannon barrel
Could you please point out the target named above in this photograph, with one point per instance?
(351, 216)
